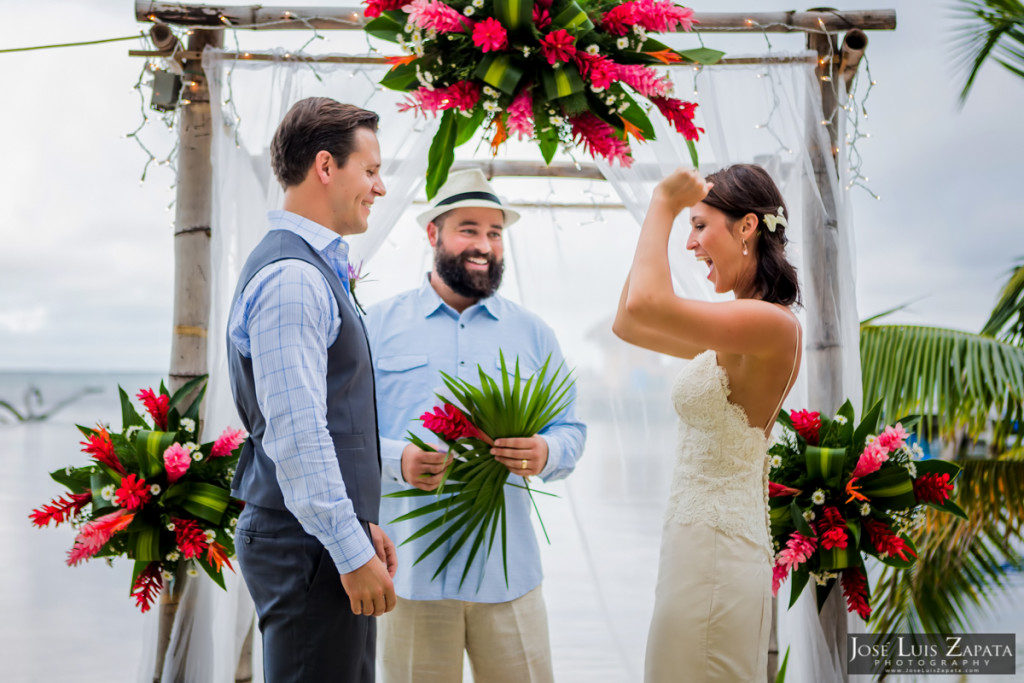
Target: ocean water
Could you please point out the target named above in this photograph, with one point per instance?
(79, 624)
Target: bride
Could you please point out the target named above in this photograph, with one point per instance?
(712, 609)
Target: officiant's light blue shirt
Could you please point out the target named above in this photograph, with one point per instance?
(414, 336)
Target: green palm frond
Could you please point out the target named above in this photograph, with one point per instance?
(991, 29)
(961, 564)
(1006, 321)
(961, 378)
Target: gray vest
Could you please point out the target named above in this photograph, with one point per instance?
(351, 405)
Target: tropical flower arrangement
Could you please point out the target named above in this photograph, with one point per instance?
(555, 72)
(152, 494)
(471, 495)
(838, 492)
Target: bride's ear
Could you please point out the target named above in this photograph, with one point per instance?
(747, 226)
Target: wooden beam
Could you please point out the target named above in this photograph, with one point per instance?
(263, 18)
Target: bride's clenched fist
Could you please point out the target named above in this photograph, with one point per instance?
(681, 189)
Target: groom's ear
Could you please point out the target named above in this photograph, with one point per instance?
(323, 166)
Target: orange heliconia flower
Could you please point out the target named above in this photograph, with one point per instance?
(665, 56)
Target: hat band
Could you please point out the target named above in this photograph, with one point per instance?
(463, 196)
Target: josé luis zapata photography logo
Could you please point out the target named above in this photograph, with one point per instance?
(932, 653)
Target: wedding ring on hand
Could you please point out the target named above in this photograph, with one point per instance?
(524, 464)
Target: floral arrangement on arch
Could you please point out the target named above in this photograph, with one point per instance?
(152, 494)
(556, 72)
(838, 492)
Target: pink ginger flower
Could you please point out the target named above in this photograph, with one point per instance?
(177, 460)
(680, 115)
(434, 14)
(599, 139)
(227, 442)
(520, 115)
(662, 15)
(96, 533)
(541, 17)
(779, 574)
(893, 438)
(870, 460)
(375, 7)
(489, 35)
(644, 80)
(462, 95)
(558, 46)
(778, 490)
(798, 550)
(601, 71)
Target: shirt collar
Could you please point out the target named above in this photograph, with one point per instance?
(327, 243)
(431, 301)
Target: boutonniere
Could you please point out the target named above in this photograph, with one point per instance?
(355, 276)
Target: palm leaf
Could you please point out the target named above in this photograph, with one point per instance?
(990, 29)
(961, 564)
(1006, 321)
(959, 377)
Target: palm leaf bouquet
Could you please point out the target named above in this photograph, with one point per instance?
(470, 501)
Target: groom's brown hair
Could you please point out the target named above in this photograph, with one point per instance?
(312, 125)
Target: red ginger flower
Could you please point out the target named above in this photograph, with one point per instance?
(933, 488)
(778, 490)
(541, 17)
(449, 423)
(806, 423)
(680, 115)
(779, 573)
(870, 460)
(133, 493)
(147, 586)
(618, 20)
(558, 46)
(601, 71)
(375, 7)
(832, 528)
(489, 35)
(227, 442)
(599, 139)
(101, 448)
(462, 95)
(59, 510)
(190, 537)
(855, 588)
(885, 541)
(157, 406)
(94, 535)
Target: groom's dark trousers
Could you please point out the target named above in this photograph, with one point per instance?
(309, 632)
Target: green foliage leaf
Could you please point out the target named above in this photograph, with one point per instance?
(386, 27)
(442, 153)
(402, 78)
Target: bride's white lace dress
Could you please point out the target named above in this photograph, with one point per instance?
(712, 609)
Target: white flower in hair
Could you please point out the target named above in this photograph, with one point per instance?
(775, 220)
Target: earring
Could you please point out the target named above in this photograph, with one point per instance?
(745, 252)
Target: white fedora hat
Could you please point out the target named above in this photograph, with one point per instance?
(463, 189)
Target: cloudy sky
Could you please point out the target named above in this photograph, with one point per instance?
(86, 249)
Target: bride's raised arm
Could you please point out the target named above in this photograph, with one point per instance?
(652, 315)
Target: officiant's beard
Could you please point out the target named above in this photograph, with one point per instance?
(451, 268)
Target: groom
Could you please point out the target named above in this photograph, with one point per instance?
(316, 563)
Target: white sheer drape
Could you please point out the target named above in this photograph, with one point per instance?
(567, 266)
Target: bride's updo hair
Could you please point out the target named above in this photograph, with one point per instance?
(746, 188)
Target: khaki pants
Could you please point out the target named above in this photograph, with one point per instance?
(422, 641)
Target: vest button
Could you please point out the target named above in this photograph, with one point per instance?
(248, 539)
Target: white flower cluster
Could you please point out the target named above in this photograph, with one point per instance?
(776, 461)
(188, 424)
(865, 509)
(173, 555)
(824, 577)
(809, 515)
(107, 492)
(818, 497)
(841, 419)
(132, 431)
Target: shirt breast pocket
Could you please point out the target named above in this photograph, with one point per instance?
(405, 380)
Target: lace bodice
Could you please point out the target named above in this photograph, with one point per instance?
(721, 470)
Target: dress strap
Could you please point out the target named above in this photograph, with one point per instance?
(792, 373)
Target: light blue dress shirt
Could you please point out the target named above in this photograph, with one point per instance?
(414, 336)
(285, 319)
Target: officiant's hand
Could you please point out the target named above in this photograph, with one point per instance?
(370, 590)
(423, 469)
(525, 456)
(681, 189)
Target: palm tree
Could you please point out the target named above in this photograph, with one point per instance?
(992, 29)
(961, 379)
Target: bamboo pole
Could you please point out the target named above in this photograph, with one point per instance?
(191, 273)
(262, 18)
